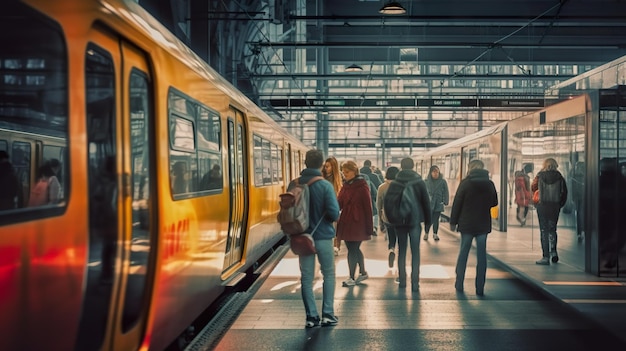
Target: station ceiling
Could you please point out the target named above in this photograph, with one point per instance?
(290, 55)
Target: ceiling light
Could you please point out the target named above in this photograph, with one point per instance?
(353, 68)
(392, 8)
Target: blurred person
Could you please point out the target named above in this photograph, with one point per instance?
(10, 194)
(324, 210)
(373, 182)
(522, 196)
(439, 197)
(578, 196)
(383, 223)
(331, 173)
(354, 225)
(552, 196)
(471, 215)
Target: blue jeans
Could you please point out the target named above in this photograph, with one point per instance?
(326, 257)
(404, 235)
(481, 258)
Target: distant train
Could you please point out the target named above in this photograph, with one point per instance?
(168, 179)
(586, 135)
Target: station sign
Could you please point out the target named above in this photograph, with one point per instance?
(512, 103)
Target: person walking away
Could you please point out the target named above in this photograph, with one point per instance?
(412, 230)
(578, 196)
(522, 196)
(10, 194)
(552, 196)
(331, 173)
(383, 223)
(439, 197)
(471, 215)
(354, 225)
(324, 210)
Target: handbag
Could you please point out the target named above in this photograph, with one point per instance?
(536, 197)
(303, 244)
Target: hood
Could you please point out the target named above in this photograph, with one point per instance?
(478, 174)
(550, 177)
(407, 175)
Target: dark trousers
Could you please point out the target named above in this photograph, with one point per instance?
(548, 215)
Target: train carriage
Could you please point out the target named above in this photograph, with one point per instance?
(169, 176)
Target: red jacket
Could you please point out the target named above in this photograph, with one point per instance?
(356, 219)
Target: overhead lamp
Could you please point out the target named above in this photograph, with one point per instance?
(392, 8)
(353, 68)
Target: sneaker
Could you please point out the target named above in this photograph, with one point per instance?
(543, 261)
(329, 320)
(348, 282)
(336, 249)
(312, 322)
(392, 258)
(361, 277)
(426, 236)
(397, 280)
(436, 237)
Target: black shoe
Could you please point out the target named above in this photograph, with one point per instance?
(312, 322)
(329, 320)
(392, 258)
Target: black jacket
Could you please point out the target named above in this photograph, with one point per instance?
(422, 198)
(471, 209)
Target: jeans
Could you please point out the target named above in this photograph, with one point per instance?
(391, 236)
(355, 257)
(481, 257)
(435, 221)
(404, 235)
(326, 258)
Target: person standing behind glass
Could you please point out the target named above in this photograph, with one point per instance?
(439, 197)
(324, 210)
(10, 194)
(549, 207)
(471, 215)
(522, 196)
(383, 223)
(412, 231)
(332, 174)
(354, 225)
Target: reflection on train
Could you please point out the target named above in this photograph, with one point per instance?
(140, 184)
(586, 135)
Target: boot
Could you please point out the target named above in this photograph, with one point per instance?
(426, 236)
(545, 248)
(552, 239)
(543, 261)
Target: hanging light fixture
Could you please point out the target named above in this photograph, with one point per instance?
(353, 68)
(392, 8)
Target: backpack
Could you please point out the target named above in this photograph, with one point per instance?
(399, 204)
(293, 215)
(550, 193)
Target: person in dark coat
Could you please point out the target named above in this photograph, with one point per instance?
(374, 182)
(439, 197)
(413, 231)
(354, 225)
(548, 211)
(10, 194)
(471, 215)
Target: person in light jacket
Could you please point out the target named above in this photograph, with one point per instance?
(471, 215)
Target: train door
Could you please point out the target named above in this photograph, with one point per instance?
(118, 97)
(238, 185)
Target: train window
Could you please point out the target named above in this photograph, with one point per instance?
(276, 165)
(258, 160)
(181, 134)
(266, 154)
(33, 100)
(209, 128)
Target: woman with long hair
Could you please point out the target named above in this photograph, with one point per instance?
(354, 226)
(331, 172)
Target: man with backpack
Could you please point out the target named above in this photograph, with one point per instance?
(408, 191)
(323, 211)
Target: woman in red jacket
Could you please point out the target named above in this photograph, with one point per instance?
(354, 224)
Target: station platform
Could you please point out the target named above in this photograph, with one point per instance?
(525, 306)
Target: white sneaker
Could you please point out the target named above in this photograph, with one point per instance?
(336, 249)
(361, 278)
(348, 282)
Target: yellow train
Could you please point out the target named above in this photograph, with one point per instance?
(159, 179)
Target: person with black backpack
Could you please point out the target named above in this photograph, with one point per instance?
(552, 196)
(408, 190)
(323, 211)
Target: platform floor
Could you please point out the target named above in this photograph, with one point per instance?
(525, 307)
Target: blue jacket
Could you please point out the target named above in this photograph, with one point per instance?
(323, 204)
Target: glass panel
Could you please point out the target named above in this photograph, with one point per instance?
(140, 247)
